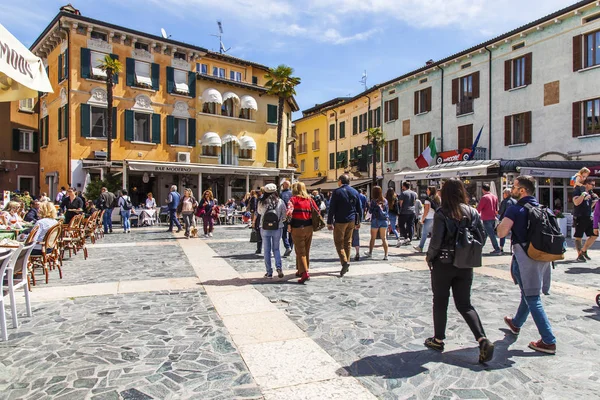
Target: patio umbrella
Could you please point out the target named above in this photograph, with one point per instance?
(22, 74)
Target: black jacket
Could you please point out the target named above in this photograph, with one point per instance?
(443, 233)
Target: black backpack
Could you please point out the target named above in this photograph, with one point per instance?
(470, 239)
(545, 242)
(270, 220)
(127, 203)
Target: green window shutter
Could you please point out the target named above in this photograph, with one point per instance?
(170, 129)
(271, 114)
(271, 151)
(360, 125)
(155, 75)
(85, 120)
(46, 130)
(332, 132)
(85, 63)
(331, 161)
(192, 85)
(114, 122)
(156, 127)
(370, 120)
(35, 142)
(115, 76)
(129, 71)
(60, 111)
(129, 125)
(354, 125)
(352, 153)
(66, 119)
(170, 80)
(66, 59)
(342, 129)
(60, 69)
(192, 132)
(15, 139)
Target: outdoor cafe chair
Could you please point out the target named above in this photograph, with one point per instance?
(70, 236)
(17, 265)
(5, 259)
(100, 225)
(51, 254)
(89, 230)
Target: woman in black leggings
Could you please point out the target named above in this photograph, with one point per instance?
(444, 275)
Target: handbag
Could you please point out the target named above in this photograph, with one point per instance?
(253, 236)
(318, 222)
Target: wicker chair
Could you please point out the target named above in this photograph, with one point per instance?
(50, 257)
(99, 225)
(71, 236)
(90, 227)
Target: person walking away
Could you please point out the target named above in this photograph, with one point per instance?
(506, 202)
(446, 276)
(126, 210)
(299, 209)
(363, 204)
(288, 242)
(378, 207)
(344, 217)
(106, 203)
(272, 213)
(186, 208)
(73, 205)
(394, 209)
(488, 207)
(532, 276)
(419, 216)
(60, 195)
(256, 222)
(406, 218)
(584, 198)
(32, 213)
(205, 209)
(173, 202)
(432, 203)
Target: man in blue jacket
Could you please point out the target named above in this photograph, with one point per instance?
(345, 213)
(173, 201)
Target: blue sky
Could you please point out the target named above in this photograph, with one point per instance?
(329, 43)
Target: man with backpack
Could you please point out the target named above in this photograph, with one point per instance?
(529, 222)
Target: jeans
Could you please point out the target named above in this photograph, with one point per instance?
(125, 214)
(107, 219)
(173, 219)
(393, 223)
(444, 277)
(271, 241)
(207, 223)
(426, 229)
(407, 225)
(533, 305)
(489, 229)
(288, 242)
(188, 220)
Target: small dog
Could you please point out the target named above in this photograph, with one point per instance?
(194, 232)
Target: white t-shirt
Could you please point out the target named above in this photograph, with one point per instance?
(431, 212)
(150, 203)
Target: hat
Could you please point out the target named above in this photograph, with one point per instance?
(270, 188)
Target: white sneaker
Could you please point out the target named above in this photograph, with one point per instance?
(205, 235)
(210, 235)
(367, 254)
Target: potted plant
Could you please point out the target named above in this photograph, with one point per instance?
(562, 221)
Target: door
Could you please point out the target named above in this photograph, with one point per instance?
(26, 184)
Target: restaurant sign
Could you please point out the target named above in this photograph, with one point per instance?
(163, 168)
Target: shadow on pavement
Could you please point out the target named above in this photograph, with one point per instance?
(594, 313)
(412, 363)
(287, 279)
(580, 270)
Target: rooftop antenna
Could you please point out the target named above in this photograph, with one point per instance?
(164, 33)
(222, 48)
(363, 80)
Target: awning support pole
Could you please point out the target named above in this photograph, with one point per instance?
(247, 183)
(200, 185)
(124, 174)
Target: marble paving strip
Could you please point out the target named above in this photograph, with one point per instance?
(132, 244)
(281, 358)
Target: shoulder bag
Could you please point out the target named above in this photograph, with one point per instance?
(318, 222)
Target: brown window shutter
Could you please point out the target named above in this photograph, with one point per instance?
(508, 74)
(577, 45)
(577, 119)
(416, 102)
(428, 101)
(455, 91)
(528, 65)
(507, 130)
(527, 123)
(460, 136)
(386, 115)
(476, 85)
(387, 152)
(395, 146)
(416, 142)
(427, 139)
(396, 111)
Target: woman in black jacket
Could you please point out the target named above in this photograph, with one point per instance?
(444, 275)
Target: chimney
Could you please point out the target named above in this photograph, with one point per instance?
(429, 62)
(70, 9)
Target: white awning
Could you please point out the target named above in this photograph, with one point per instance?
(249, 102)
(193, 168)
(24, 78)
(231, 95)
(247, 143)
(182, 87)
(449, 172)
(210, 139)
(143, 79)
(99, 72)
(211, 95)
(229, 138)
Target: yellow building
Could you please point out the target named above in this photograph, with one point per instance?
(182, 115)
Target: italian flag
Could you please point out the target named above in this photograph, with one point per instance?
(428, 155)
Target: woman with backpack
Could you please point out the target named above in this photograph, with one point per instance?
(126, 206)
(186, 208)
(430, 205)
(378, 207)
(442, 259)
(272, 212)
(392, 199)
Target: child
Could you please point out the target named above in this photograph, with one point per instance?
(580, 177)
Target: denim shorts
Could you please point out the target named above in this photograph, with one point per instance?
(379, 223)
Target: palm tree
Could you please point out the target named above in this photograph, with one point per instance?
(376, 138)
(111, 67)
(281, 83)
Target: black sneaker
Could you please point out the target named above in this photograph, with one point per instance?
(287, 252)
(257, 252)
(581, 258)
(357, 257)
(345, 269)
(279, 273)
(586, 256)
(268, 276)
(434, 344)
(486, 351)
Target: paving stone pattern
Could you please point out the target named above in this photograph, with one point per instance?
(165, 345)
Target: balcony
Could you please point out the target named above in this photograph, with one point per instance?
(302, 148)
(316, 145)
(464, 107)
(480, 153)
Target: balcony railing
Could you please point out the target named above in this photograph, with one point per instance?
(316, 145)
(464, 107)
(480, 153)
(302, 148)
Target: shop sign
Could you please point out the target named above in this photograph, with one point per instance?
(160, 168)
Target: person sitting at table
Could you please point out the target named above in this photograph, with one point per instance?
(32, 214)
(44, 197)
(11, 213)
(150, 201)
(90, 208)
(72, 205)
(47, 214)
